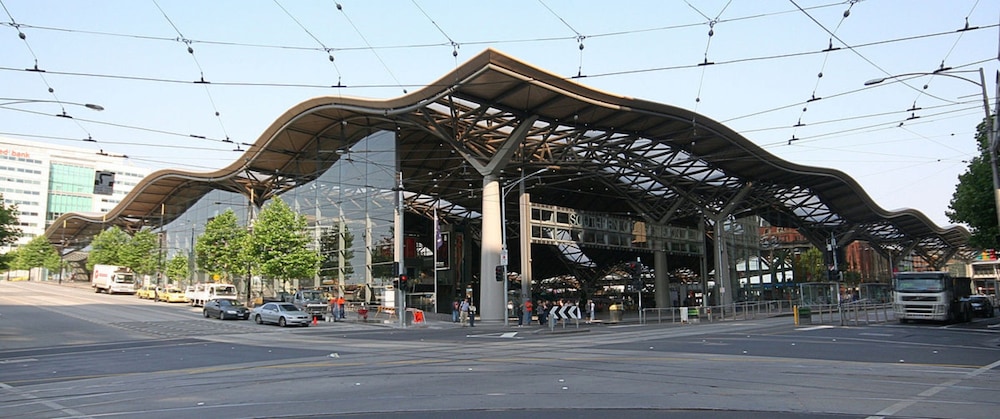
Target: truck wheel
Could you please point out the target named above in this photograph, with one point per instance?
(257, 319)
(281, 322)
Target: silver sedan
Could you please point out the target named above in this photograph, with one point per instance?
(282, 314)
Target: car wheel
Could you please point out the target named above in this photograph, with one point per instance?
(257, 319)
(205, 312)
(281, 322)
(222, 315)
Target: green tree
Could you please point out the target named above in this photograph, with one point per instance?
(219, 250)
(142, 253)
(9, 230)
(973, 202)
(177, 269)
(38, 253)
(280, 244)
(114, 246)
(108, 248)
(332, 253)
(812, 265)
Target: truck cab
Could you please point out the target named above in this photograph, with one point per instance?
(313, 302)
(936, 296)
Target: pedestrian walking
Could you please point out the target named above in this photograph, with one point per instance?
(543, 313)
(591, 311)
(340, 306)
(519, 312)
(472, 315)
(527, 312)
(332, 309)
(464, 311)
(456, 306)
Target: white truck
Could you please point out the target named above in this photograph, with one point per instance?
(935, 296)
(204, 292)
(313, 302)
(113, 279)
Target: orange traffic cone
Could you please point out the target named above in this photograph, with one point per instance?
(314, 320)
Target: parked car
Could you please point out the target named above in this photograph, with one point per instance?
(172, 295)
(981, 306)
(147, 292)
(282, 314)
(225, 308)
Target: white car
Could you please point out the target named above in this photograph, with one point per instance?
(282, 314)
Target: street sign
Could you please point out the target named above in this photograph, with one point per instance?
(565, 312)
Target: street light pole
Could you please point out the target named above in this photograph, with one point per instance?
(503, 236)
(16, 101)
(991, 125)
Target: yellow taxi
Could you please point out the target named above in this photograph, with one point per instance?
(172, 295)
(146, 292)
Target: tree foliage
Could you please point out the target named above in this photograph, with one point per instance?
(108, 248)
(38, 253)
(974, 202)
(9, 230)
(812, 265)
(177, 269)
(220, 249)
(143, 253)
(279, 245)
(114, 246)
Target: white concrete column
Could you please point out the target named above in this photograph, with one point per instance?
(492, 302)
(524, 224)
(661, 281)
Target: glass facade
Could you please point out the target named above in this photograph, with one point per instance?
(349, 209)
(70, 190)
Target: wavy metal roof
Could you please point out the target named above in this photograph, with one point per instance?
(495, 114)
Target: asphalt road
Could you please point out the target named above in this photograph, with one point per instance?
(67, 352)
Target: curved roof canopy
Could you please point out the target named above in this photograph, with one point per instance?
(605, 153)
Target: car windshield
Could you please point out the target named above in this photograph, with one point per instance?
(231, 303)
(312, 295)
(288, 307)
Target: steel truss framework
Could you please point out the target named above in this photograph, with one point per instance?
(499, 117)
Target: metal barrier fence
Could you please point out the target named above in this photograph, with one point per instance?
(735, 311)
(845, 314)
(852, 313)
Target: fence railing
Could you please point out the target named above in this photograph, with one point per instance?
(844, 314)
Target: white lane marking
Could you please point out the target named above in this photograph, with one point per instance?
(806, 329)
(47, 403)
(17, 360)
(892, 410)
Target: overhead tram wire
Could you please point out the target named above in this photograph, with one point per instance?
(734, 61)
(705, 63)
(201, 71)
(41, 72)
(329, 51)
(822, 68)
(454, 45)
(579, 37)
(363, 38)
(605, 74)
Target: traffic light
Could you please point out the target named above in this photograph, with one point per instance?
(500, 273)
(634, 270)
(403, 281)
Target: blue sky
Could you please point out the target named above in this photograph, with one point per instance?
(262, 57)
